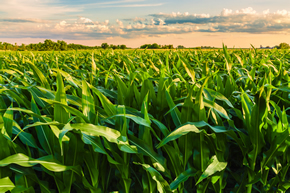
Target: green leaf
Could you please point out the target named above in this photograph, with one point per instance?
(188, 69)
(145, 149)
(6, 185)
(44, 134)
(190, 172)
(217, 96)
(41, 124)
(212, 168)
(8, 121)
(162, 185)
(138, 120)
(187, 107)
(67, 108)
(109, 108)
(47, 161)
(111, 135)
(175, 113)
(199, 110)
(26, 138)
(193, 127)
(88, 102)
(60, 114)
(97, 146)
(38, 75)
(182, 130)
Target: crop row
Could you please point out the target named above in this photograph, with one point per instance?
(145, 121)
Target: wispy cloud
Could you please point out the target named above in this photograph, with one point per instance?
(133, 5)
(136, 19)
(34, 9)
(124, 3)
(117, 2)
(18, 20)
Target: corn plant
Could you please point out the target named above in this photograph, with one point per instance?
(145, 121)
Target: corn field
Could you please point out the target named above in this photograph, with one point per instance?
(146, 121)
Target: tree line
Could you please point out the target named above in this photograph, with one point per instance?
(59, 45)
(157, 46)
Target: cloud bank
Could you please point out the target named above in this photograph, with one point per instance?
(154, 25)
(244, 20)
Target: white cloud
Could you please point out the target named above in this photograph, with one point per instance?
(155, 25)
(248, 10)
(62, 23)
(226, 12)
(161, 22)
(265, 12)
(84, 20)
(120, 23)
(243, 20)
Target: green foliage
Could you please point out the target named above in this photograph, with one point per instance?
(60, 45)
(180, 47)
(123, 47)
(144, 121)
(156, 46)
(150, 46)
(284, 46)
(105, 45)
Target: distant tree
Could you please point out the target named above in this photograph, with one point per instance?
(155, 46)
(48, 45)
(284, 46)
(105, 45)
(123, 47)
(113, 46)
(40, 46)
(170, 46)
(145, 46)
(23, 47)
(8, 46)
(180, 47)
(15, 47)
(62, 45)
(164, 47)
(152, 46)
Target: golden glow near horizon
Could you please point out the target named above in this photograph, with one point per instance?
(237, 40)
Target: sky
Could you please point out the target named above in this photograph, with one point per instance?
(191, 23)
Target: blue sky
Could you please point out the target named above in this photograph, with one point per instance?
(136, 22)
